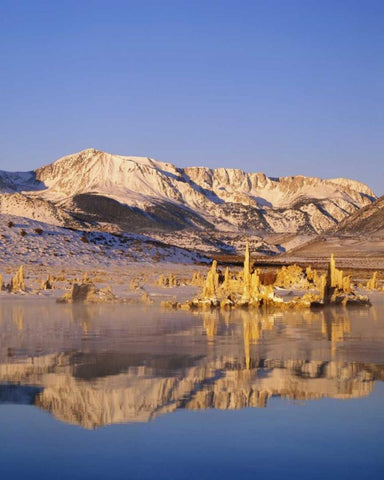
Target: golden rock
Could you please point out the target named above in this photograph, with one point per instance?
(18, 283)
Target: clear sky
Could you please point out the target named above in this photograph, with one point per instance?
(281, 86)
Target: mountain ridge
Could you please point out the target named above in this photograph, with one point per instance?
(140, 193)
(368, 220)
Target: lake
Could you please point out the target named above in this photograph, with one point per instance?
(134, 392)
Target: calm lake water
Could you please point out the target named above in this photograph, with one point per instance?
(123, 392)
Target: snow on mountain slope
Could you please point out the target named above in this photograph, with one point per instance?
(353, 184)
(37, 209)
(257, 189)
(142, 194)
(25, 241)
(121, 178)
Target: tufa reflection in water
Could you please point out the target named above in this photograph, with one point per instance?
(94, 366)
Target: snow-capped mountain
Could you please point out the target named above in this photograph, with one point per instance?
(141, 194)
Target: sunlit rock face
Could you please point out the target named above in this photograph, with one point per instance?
(142, 193)
(100, 367)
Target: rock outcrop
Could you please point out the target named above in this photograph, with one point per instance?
(47, 284)
(167, 281)
(248, 291)
(17, 283)
(211, 284)
(373, 283)
(87, 293)
(197, 279)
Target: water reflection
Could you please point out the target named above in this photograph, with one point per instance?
(116, 364)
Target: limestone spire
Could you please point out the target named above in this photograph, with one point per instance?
(18, 282)
(247, 277)
(332, 271)
(211, 283)
(247, 261)
(372, 282)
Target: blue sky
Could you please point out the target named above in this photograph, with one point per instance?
(281, 86)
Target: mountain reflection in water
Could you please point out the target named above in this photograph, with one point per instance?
(94, 366)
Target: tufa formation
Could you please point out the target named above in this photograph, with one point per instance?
(252, 289)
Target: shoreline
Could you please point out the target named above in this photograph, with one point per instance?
(131, 282)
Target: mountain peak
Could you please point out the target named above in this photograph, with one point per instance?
(140, 191)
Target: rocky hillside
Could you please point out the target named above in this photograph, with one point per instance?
(141, 194)
(367, 221)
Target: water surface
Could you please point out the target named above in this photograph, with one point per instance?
(136, 392)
